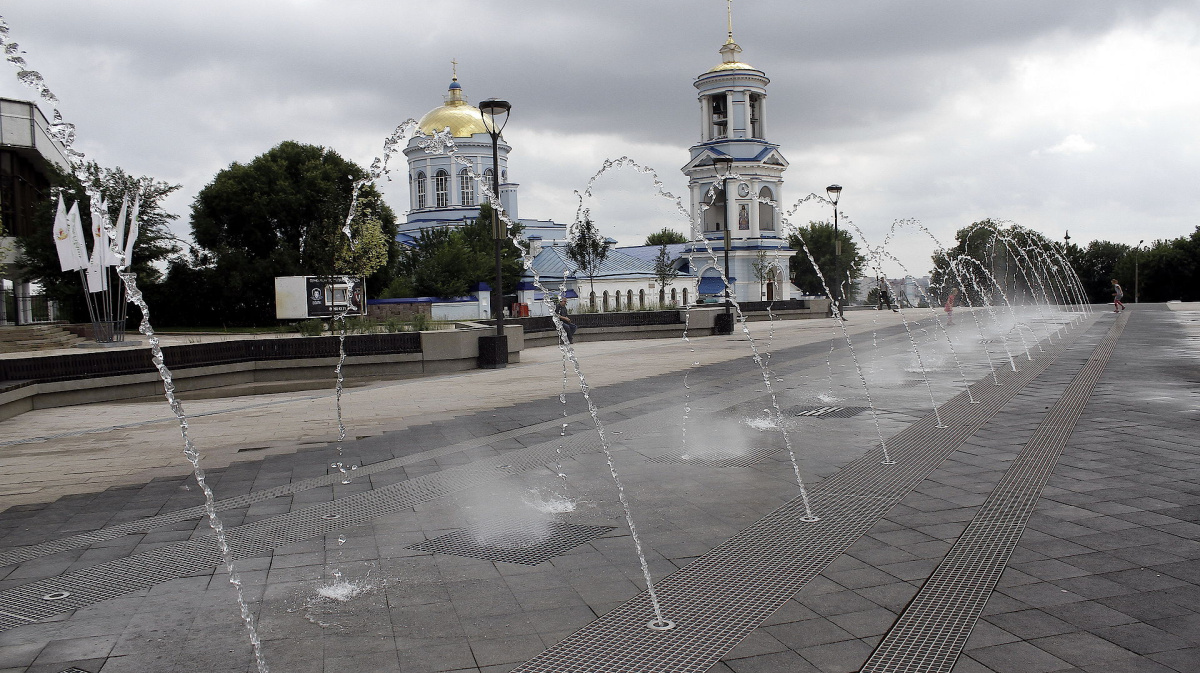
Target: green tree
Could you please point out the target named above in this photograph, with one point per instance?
(818, 239)
(449, 262)
(666, 236)
(282, 214)
(588, 249)
(154, 244)
(1096, 266)
(664, 271)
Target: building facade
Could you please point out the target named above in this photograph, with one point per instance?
(28, 154)
(441, 189)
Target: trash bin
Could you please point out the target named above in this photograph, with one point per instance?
(524, 310)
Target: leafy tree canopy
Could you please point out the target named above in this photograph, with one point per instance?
(818, 241)
(282, 214)
(666, 236)
(587, 248)
(449, 262)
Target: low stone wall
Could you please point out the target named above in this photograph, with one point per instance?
(661, 324)
(67, 380)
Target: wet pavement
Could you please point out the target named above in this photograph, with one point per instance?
(1052, 525)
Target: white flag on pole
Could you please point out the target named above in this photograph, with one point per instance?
(133, 230)
(118, 240)
(101, 252)
(75, 231)
(62, 238)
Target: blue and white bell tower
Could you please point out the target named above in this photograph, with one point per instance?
(733, 97)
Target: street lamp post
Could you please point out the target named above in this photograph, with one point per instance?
(724, 166)
(835, 192)
(489, 110)
(1137, 257)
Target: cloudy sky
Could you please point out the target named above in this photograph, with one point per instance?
(1077, 115)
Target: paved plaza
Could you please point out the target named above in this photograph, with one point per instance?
(1045, 518)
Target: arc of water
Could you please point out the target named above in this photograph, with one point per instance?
(999, 288)
(65, 134)
(887, 459)
(739, 315)
(960, 274)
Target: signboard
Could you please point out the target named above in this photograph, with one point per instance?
(299, 297)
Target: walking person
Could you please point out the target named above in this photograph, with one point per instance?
(1118, 295)
(568, 324)
(949, 308)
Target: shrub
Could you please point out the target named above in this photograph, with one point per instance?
(311, 327)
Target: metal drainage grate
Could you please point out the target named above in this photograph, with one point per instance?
(932, 631)
(826, 412)
(73, 669)
(742, 460)
(515, 542)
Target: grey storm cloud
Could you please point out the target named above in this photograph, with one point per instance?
(944, 111)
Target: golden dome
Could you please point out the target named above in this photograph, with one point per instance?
(733, 65)
(463, 119)
(729, 52)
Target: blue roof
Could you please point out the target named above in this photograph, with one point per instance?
(649, 253)
(552, 262)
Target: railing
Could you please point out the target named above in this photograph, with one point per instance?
(615, 319)
(28, 310)
(117, 363)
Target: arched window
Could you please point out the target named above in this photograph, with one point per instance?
(441, 188)
(675, 296)
(606, 301)
(766, 212)
(629, 299)
(487, 178)
(466, 188)
(685, 296)
(592, 300)
(617, 297)
(641, 299)
(420, 190)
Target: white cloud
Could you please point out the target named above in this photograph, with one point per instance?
(1072, 144)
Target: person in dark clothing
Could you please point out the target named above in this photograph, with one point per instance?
(568, 324)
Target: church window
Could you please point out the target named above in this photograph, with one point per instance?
(617, 297)
(466, 188)
(720, 116)
(642, 299)
(629, 299)
(420, 190)
(487, 179)
(441, 188)
(606, 301)
(674, 296)
(592, 300)
(766, 212)
(756, 129)
(685, 296)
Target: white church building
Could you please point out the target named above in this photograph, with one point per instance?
(441, 191)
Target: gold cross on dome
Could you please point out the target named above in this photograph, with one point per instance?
(454, 67)
(729, 17)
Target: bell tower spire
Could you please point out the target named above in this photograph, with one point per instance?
(743, 198)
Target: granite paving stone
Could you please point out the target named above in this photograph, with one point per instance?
(1104, 577)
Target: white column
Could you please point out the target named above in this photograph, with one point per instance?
(754, 230)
